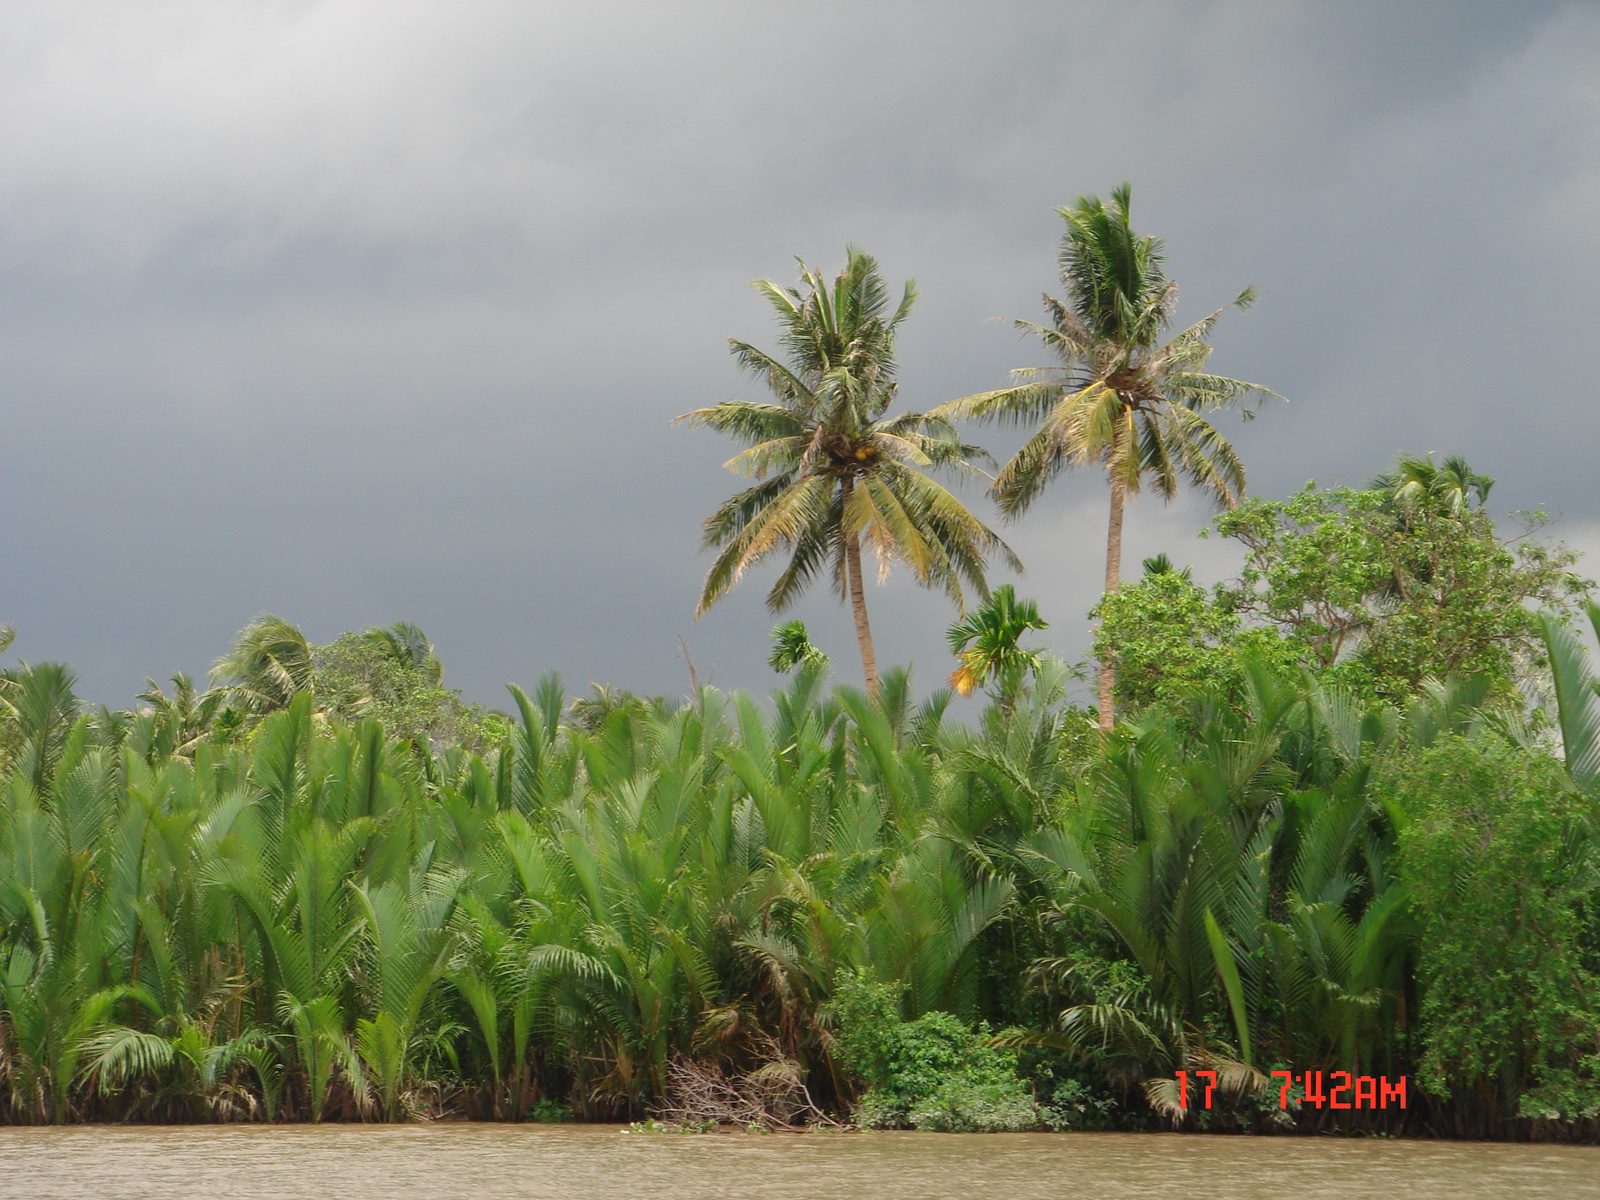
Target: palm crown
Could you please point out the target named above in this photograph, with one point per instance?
(792, 647)
(268, 665)
(986, 641)
(1448, 489)
(834, 469)
(1119, 395)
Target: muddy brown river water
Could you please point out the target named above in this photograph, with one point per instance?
(446, 1162)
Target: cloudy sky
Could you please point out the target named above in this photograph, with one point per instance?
(358, 312)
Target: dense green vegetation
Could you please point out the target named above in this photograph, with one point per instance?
(303, 917)
(1339, 814)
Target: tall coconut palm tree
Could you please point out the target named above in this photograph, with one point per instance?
(1120, 397)
(834, 469)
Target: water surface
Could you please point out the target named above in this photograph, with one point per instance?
(451, 1161)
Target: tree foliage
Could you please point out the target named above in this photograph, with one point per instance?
(393, 675)
(1173, 641)
(1387, 597)
(1499, 852)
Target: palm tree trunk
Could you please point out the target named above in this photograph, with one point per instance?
(1108, 670)
(858, 599)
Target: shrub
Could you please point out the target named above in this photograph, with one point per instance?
(965, 1105)
(549, 1112)
(934, 1073)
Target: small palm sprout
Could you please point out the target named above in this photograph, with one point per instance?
(792, 648)
(986, 642)
(1160, 564)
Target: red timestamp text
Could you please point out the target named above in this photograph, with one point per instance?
(1359, 1091)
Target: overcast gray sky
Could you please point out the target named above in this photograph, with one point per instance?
(360, 312)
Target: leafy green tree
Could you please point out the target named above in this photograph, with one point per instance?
(1121, 398)
(836, 470)
(1391, 600)
(987, 641)
(393, 675)
(1172, 642)
(1498, 853)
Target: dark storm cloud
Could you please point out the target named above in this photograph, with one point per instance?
(362, 312)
